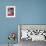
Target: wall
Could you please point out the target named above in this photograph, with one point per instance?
(7, 25)
(31, 11)
(27, 12)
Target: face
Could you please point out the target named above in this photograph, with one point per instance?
(11, 10)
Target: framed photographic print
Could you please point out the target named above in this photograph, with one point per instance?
(10, 11)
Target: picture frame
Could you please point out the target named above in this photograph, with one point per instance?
(10, 11)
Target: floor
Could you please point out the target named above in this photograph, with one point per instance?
(7, 45)
(30, 43)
